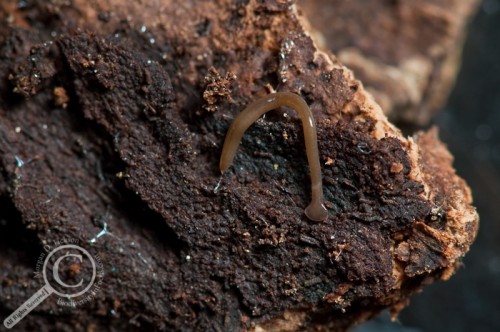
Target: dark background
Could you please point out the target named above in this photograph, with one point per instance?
(470, 126)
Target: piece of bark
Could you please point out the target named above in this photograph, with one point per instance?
(406, 53)
(104, 121)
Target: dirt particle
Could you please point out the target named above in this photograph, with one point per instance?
(396, 168)
(61, 97)
(329, 161)
(218, 89)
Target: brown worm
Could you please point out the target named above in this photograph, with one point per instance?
(316, 210)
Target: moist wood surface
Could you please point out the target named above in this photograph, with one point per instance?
(103, 102)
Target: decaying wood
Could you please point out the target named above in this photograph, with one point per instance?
(406, 53)
(106, 120)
